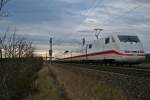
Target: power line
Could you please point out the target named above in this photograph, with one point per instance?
(119, 16)
(107, 22)
(116, 16)
(89, 10)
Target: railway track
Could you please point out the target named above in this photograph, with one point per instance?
(129, 71)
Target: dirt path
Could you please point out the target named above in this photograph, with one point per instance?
(47, 87)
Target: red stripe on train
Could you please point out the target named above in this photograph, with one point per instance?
(107, 52)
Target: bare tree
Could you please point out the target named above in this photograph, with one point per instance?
(0, 48)
(3, 3)
(2, 40)
(15, 47)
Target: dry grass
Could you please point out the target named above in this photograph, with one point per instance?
(17, 77)
(146, 64)
(76, 85)
(79, 86)
(47, 89)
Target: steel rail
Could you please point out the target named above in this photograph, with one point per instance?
(135, 72)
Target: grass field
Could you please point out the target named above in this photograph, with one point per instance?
(82, 87)
(55, 82)
(58, 83)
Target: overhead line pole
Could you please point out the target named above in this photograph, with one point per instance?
(51, 49)
(1, 55)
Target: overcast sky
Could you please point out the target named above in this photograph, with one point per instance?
(67, 21)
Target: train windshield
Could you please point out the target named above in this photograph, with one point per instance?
(125, 38)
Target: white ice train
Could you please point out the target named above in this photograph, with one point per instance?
(114, 48)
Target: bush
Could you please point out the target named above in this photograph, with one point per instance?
(17, 77)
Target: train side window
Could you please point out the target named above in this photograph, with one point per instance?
(90, 46)
(106, 40)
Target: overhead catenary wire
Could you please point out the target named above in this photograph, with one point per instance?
(119, 16)
(89, 10)
(107, 22)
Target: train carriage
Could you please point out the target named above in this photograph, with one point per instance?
(121, 48)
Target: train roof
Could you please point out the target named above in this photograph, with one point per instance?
(115, 34)
(128, 34)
